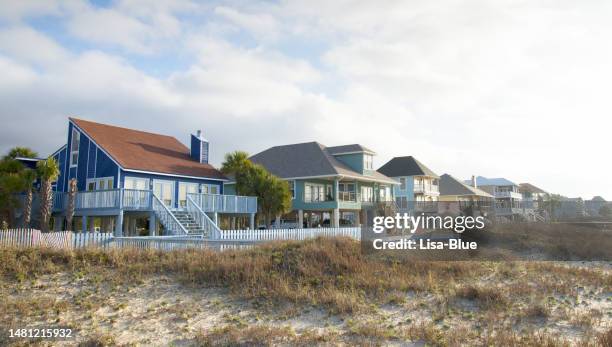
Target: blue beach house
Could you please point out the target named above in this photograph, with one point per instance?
(133, 182)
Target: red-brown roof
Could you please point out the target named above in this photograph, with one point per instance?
(139, 150)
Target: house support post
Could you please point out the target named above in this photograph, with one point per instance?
(152, 224)
(252, 221)
(300, 219)
(84, 223)
(58, 223)
(119, 224)
(133, 226)
(216, 218)
(358, 218)
(277, 222)
(336, 218)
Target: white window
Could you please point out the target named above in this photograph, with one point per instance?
(402, 183)
(136, 183)
(367, 194)
(385, 193)
(184, 189)
(74, 147)
(214, 189)
(102, 183)
(314, 192)
(368, 162)
(210, 189)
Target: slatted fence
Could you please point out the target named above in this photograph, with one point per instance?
(228, 239)
(59, 240)
(172, 243)
(288, 234)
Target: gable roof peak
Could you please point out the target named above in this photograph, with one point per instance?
(145, 151)
(406, 166)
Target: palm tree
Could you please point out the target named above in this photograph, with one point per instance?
(20, 152)
(235, 162)
(28, 176)
(48, 171)
(12, 181)
(238, 165)
(72, 188)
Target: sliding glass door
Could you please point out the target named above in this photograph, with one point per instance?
(164, 190)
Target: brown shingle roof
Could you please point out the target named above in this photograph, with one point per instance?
(139, 150)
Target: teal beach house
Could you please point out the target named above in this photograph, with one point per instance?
(331, 186)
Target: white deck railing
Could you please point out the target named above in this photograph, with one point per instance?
(225, 203)
(134, 199)
(204, 222)
(106, 199)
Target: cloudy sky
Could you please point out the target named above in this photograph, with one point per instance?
(515, 89)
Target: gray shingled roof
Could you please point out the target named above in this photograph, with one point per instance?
(405, 166)
(483, 181)
(349, 149)
(449, 185)
(528, 187)
(308, 159)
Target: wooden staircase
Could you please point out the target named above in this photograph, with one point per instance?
(189, 222)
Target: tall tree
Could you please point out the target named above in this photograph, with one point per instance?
(28, 176)
(273, 194)
(239, 167)
(48, 171)
(72, 189)
(12, 182)
(20, 152)
(552, 204)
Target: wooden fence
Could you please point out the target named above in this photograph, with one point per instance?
(229, 239)
(60, 240)
(172, 243)
(288, 234)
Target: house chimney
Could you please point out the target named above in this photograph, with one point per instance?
(199, 148)
(474, 182)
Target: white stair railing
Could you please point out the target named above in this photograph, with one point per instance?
(167, 219)
(210, 228)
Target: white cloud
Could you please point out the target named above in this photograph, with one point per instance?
(15, 10)
(29, 45)
(507, 88)
(262, 25)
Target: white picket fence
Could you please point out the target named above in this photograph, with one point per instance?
(165, 243)
(288, 234)
(61, 239)
(229, 239)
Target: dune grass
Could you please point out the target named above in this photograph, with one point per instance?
(333, 274)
